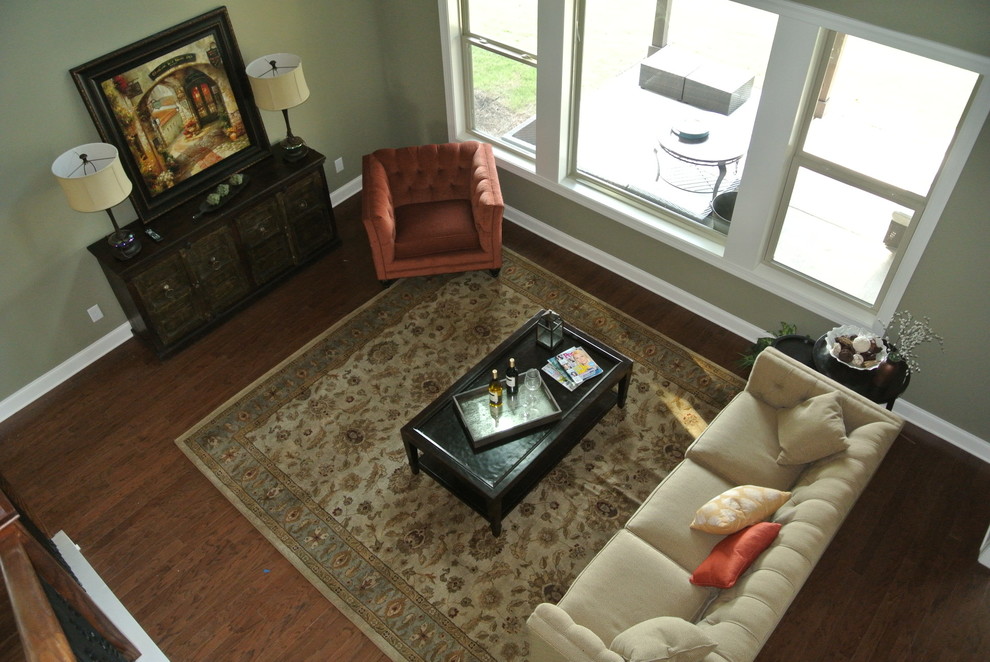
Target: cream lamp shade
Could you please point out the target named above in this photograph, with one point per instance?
(92, 177)
(278, 84)
(277, 81)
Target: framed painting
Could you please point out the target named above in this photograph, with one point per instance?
(178, 107)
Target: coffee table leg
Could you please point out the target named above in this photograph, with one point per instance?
(623, 391)
(413, 454)
(495, 517)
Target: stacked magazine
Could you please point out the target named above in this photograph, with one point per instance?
(572, 367)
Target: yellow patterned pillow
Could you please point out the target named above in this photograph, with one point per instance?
(735, 509)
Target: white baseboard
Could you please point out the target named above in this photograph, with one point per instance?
(924, 420)
(60, 373)
(352, 187)
(649, 281)
(108, 603)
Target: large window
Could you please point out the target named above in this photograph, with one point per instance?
(648, 80)
(499, 45)
(796, 148)
(875, 137)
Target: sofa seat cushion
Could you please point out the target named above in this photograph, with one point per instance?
(664, 519)
(628, 582)
(429, 228)
(741, 445)
(663, 639)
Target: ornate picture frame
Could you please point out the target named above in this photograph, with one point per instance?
(179, 108)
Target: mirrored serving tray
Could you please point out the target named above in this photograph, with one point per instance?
(487, 425)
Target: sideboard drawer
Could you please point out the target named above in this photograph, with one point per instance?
(259, 223)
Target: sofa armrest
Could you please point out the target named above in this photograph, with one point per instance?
(554, 637)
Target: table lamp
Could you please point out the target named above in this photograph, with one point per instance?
(278, 84)
(93, 179)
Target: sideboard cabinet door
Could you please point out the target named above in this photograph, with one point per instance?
(216, 268)
(164, 292)
(265, 241)
(309, 216)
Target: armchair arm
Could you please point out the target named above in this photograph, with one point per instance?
(377, 212)
(487, 205)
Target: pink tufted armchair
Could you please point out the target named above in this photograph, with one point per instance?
(432, 209)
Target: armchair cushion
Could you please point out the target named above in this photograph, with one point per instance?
(428, 228)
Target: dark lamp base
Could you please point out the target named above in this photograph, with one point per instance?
(124, 244)
(293, 148)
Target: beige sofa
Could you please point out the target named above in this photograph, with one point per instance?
(643, 572)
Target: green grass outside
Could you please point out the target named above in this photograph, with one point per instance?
(509, 81)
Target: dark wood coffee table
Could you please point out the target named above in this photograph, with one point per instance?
(495, 479)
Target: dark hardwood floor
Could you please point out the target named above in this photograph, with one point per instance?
(96, 458)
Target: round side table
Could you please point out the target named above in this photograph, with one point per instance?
(864, 382)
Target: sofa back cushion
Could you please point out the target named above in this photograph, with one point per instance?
(741, 445)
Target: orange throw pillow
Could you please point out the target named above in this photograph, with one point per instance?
(734, 554)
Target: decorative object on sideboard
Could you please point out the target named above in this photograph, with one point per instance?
(177, 106)
(278, 84)
(93, 179)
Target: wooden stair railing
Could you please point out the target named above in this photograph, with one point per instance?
(25, 563)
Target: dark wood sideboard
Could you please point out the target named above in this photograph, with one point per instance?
(210, 265)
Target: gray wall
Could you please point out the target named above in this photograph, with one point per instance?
(374, 68)
(47, 278)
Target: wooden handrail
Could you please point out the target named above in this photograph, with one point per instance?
(25, 562)
(39, 629)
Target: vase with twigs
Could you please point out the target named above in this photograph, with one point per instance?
(905, 334)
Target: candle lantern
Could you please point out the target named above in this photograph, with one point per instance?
(549, 330)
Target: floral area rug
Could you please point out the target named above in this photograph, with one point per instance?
(311, 454)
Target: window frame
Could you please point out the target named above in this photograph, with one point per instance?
(791, 75)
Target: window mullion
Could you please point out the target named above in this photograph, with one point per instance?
(853, 178)
(796, 46)
(553, 87)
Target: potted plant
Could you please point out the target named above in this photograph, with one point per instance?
(749, 358)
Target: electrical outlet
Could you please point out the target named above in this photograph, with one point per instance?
(95, 313)
(339, 164)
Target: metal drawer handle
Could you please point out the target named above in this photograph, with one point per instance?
(303, 204)
(169, 293)
(262, 229)
(215, 263)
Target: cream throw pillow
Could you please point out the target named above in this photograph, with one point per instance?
(661, 639)
(812, 430)
(735, 509)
